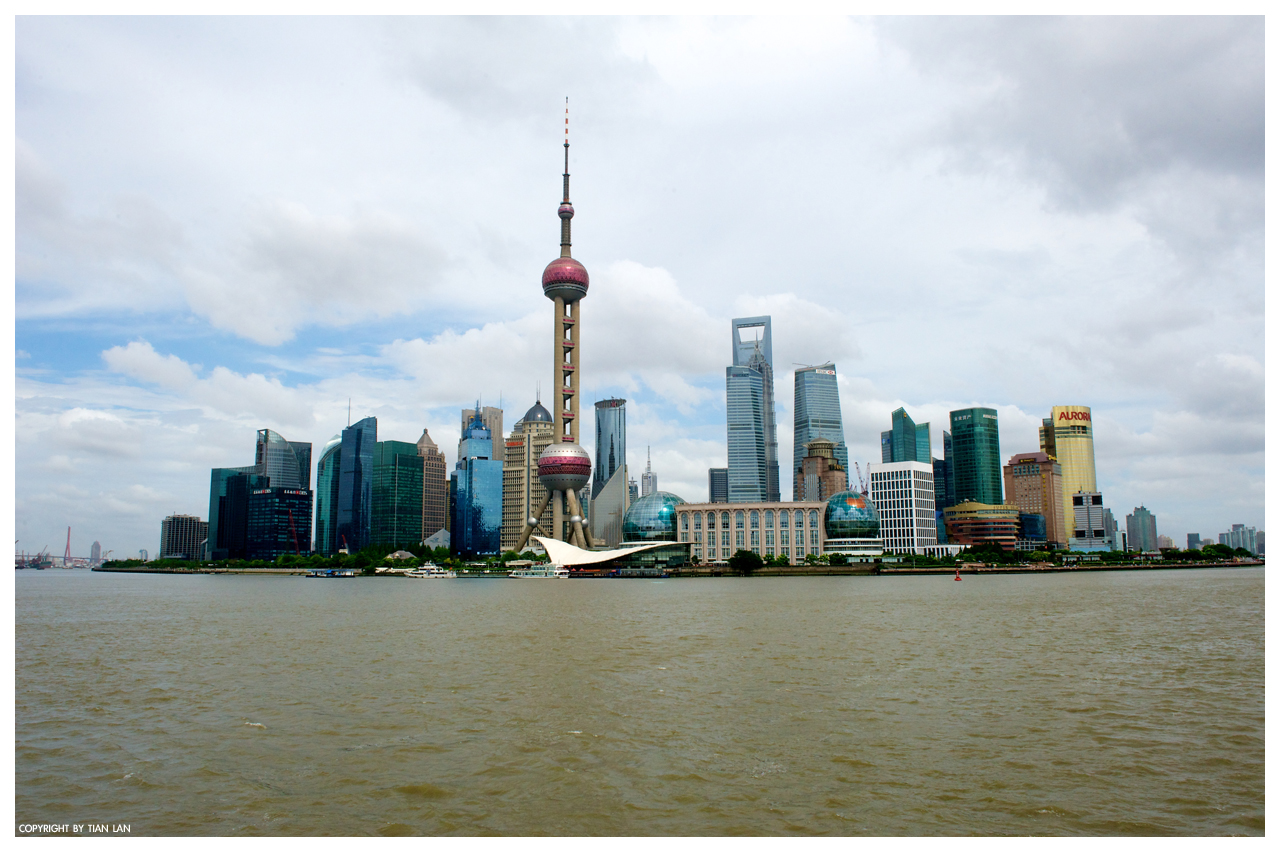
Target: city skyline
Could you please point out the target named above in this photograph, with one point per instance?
(123, 406)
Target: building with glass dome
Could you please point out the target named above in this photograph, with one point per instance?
(652, 518)
(853, 527)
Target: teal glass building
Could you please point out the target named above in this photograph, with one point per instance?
(975, 449)
(906, 440)
(397, 494)
(817, 415)
(326, 519)
(475, 487)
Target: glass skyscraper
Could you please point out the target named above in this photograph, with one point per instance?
(944, 485)
(286, 463)
(397, 494)
(355, 484)
(327, 496)
(611, 442)
(476, 487)
(817, 415)
(277, 464)
(905, 441)
(278, 522)
(975, 447)
(752, 425)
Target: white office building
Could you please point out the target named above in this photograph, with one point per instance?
(903, 496)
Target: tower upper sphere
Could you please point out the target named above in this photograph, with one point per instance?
(565, 278)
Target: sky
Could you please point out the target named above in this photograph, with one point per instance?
(228, 224)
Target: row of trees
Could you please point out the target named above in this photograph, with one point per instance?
(366, 560)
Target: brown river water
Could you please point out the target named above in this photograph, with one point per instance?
(1117, 703)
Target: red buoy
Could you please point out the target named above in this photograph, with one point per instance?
(957, 575)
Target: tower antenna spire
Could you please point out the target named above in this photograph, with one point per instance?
(566, 208)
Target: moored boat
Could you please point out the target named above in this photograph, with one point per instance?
(541, 572)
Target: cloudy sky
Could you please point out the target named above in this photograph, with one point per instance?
(226, 224)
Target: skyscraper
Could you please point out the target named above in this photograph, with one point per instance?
(905, 440)
(286, 463)
(490, 416)
(95, 552)
(278, 522)
(944, 485)
(476, 483)
(718, 485)
(1033, 483)
(975, 446)
(396, 518)
(1067, 435)
(752, 424)
(564, 467)
(817, 415)
(1141, 526)
(355, 484)
(435, 486)
(522, 491)
(611, 442)
(277, 464)
(181, 535)
(327, 482)
(648, 479)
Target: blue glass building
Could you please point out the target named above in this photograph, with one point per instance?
(476, 488)
(944, 486)
(744, 410)
(355, 484)
(817, 415)
(752, 424)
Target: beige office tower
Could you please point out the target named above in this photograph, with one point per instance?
(1033, 483)
(522, 491)
(435, 488)
(1067, 436)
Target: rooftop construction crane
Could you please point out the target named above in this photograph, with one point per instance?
(862, 482)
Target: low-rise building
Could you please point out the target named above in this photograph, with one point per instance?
(970, 523)
(718, 530)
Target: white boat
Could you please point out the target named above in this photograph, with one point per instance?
(431, 572)
(541, 572)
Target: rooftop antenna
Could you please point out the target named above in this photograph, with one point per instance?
(539, 391)
(348, 412)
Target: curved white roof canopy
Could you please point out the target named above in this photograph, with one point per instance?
(562, 553)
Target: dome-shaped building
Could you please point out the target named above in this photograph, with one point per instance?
(538, 414)
(853, 526)
(651, 518)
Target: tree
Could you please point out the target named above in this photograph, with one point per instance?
(1217, 551)
(745, 562)
(838, 559)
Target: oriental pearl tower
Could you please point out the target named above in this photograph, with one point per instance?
(564, 468)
